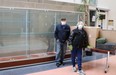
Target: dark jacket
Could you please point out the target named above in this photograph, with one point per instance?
(78, 38)
(62, 33)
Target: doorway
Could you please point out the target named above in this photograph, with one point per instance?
(92, 17)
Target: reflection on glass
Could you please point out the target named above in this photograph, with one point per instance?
(41, 31)
(28, 32)
(12, 39)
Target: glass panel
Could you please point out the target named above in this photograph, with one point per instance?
(72, 18)
(12, 38)
(25, 32)
(41, 31)
(81, 17)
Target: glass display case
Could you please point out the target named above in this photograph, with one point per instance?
(29, 33)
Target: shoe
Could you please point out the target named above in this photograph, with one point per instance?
(58, 64)
(62, 63)
(74, 69)
(81, 72)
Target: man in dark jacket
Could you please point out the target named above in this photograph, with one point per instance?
(62, 34)
(78, 40)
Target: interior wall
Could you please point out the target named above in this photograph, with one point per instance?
(41, 4)
(109, 4)
(70, 1)
(110, 35)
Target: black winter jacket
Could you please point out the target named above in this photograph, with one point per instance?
(62, 33)
(78, 38)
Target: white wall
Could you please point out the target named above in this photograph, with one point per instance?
(105, 4)
(109, 4)
(70, 1)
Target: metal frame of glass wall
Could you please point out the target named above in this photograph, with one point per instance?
(31, 31)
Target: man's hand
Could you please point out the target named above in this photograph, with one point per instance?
(57, 40)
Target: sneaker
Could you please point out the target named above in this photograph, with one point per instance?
(74, 69)
(58, 64)
(81, 72)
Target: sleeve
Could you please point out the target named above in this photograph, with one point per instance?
(86, 43)
(56, 33)
(69, 32)
(71, 37)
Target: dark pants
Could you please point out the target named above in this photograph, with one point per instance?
(60, 51)
(77, 52)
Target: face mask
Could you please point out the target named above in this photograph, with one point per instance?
(80, 26)
(63, 23)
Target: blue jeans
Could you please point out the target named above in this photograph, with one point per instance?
(60, 51)
(77, 52)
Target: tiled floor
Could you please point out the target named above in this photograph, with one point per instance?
(95, 67)
(46, 67)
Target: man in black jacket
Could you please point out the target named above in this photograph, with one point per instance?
(62, 34)
(78, 40)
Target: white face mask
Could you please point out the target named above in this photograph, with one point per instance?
(63, 23)
(80, 26)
